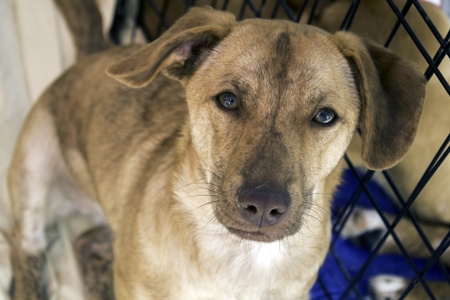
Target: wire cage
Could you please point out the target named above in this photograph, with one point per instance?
(350, 266)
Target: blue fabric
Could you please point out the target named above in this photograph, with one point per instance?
(353, 257)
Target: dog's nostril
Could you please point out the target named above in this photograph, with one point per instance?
(252, 209)
(275, 212)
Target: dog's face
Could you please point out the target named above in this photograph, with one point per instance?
(272, 107)
(270, 125)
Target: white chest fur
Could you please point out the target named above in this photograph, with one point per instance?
(232, 268)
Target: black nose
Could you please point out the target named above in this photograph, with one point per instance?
(263, 206)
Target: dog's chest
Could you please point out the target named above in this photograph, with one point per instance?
(236, 269)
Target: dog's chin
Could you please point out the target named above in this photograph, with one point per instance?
(255, 235)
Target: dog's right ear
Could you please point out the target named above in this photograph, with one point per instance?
(179, 51)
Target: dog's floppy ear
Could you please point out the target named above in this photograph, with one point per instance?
(178, 51)
(392, 93)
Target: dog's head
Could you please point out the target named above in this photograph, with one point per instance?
(273, 106)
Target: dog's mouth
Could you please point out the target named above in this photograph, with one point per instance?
(253, 235)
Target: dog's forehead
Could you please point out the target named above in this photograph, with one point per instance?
(288, 43)
(277, 58)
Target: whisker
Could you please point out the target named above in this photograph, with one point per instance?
(199, 184)
(204, 204)
(212, 173)
(200, 195)
(311, 194)
(318, 220)
(188, 184)
(315, 206)
(306, 225)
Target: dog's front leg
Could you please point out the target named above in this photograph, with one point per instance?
(27, 271)
(32, 171)
(28, 239)
(28, 243)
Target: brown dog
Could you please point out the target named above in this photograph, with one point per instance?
(222, 189)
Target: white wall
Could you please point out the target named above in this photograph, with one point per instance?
(35, 48)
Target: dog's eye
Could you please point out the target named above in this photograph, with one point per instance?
(228, 100)
(325, 116)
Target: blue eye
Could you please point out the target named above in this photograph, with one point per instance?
(325, 116)
(228, 100)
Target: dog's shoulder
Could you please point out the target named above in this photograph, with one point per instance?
(86, 87)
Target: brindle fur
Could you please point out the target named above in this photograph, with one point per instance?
(95, 256)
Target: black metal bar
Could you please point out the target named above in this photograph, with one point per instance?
(416, 224)
(159, 14)
(163, 25)
(419, 45)
(275, 10)
(432, 168)
(438, 253)
(349, 16)
(302, 10)
(405, 10)
(430, 23)
(241, 12)
(436, 162)
(345, 272)
(313, 11)
(352, 15)
(287, 9)
(252, 7)
(439, 57)
(374, 252)
(225, 4)
(324, 288)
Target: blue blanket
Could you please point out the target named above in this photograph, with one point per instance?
(352, 257)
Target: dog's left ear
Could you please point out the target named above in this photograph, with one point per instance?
(178, 51)
(392, 93)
